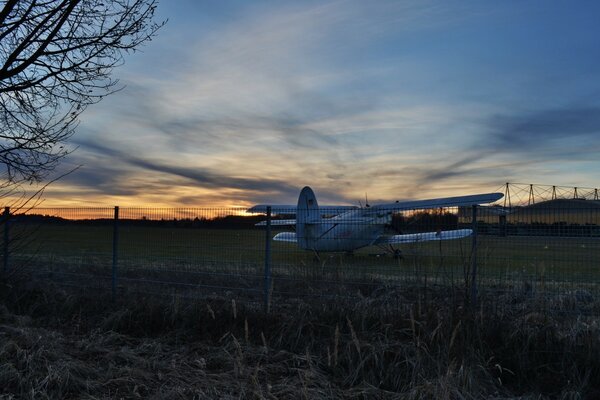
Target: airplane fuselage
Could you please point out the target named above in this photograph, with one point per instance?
(345, 232)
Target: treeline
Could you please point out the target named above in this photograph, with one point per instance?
(225, 222)
(400, 223)
(560, 229)
(424, 220)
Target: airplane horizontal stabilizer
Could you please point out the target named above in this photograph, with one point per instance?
(291, 209)
(423, 236)
(286, 237)
(357, 222)
(278, 222)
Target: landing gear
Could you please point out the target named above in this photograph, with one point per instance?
(316, 257)
(397, 254)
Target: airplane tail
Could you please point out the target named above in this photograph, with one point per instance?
(307, 218)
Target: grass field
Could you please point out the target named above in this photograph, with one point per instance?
(233, 259)
(81, 344)
(188, 321)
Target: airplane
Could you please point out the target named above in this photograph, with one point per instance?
(351, 227)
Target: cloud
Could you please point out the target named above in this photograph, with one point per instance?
(459, 168)
(519, 145)
(342, 96)
(203, 177)
(538, 130)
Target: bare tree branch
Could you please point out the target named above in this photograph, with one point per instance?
(56, 58)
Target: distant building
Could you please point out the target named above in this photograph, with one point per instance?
(558, 211)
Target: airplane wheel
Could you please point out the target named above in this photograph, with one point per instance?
(398, 254)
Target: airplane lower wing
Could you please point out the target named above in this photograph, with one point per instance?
(289, 237)
(423, 237)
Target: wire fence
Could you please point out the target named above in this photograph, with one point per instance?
(543, 250)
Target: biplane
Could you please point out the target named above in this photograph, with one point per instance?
(348, 228)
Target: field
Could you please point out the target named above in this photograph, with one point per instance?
(188, 318)
(80, 344)
(234, 259)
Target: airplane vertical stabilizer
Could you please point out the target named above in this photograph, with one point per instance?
(307, 217)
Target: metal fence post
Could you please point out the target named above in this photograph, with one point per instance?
(6, 238)
(267, 289)
(474, 258)
(115, 249)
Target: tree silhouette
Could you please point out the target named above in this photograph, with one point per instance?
(56, 58)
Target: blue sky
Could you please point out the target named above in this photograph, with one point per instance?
(236, 103)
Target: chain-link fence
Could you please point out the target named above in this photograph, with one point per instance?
(484, 253)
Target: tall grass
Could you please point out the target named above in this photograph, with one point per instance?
(389, 343)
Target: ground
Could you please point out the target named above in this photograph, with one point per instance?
(394, 343)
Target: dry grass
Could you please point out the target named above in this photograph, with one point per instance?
(390, 344)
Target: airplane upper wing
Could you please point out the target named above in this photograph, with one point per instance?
(291, 209)
(470, 200)
(423, 236)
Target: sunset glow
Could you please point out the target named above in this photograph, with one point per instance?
(237, 103)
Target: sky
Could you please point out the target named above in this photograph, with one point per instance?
(236, 103)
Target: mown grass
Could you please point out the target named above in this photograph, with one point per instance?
(388, 343)
(194, 256)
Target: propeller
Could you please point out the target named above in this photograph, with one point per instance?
(367, 205)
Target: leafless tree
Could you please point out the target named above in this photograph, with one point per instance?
(56, 58)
